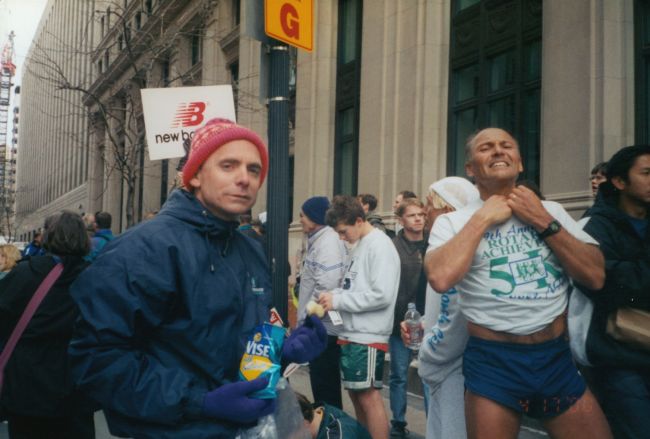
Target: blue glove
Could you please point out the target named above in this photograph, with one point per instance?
(230, 402)
(306, 342)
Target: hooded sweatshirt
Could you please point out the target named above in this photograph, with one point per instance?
(166, 309)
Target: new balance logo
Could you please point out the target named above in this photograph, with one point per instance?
(188, 115)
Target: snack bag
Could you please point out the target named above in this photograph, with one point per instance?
(262, 358)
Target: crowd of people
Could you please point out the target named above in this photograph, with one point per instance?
(150, 325)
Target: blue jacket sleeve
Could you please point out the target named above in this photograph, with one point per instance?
(119, 306)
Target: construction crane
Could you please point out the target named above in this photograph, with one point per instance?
(6, 60)
(7, 170)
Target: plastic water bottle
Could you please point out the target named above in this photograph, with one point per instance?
(413, 321)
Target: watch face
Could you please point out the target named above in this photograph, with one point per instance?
(553, 227)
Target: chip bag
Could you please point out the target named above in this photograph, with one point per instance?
(262, 358)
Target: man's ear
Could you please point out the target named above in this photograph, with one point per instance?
(618, 183)
(468, 169)
(195, 183)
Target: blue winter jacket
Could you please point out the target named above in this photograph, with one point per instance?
(98, 242)
(165, 312)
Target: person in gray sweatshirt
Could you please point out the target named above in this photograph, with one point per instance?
(366, 303)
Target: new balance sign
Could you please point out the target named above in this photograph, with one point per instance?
(171, 115)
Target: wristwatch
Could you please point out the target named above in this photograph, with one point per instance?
(552, 228)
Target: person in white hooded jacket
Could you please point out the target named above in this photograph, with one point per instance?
(441, 352)
(366, 302)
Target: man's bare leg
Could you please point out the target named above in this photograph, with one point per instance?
(585, 419)
(486, 419)
(371, 413)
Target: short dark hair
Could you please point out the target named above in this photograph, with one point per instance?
(305, 407)
(407, 202)
(344, 209)
(368, 199)
(407, 194)
(103, 220)
(620, 164)
(600, 168)
(66, 234)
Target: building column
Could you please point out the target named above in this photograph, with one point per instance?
(587, 93)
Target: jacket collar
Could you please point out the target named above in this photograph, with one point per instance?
(185, 207)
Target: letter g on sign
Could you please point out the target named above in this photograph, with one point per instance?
(289, 20)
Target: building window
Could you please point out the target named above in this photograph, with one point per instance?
(348, 86)
(102, 25)
(106, 59)
(195, 42)
(642, 71)
(138, 21)
(236, 12)
(120, 43)
(100, 67)
(234, 81)
(495, 76)
(148, 6)
(165, 73)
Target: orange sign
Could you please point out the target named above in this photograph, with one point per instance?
(290, 21)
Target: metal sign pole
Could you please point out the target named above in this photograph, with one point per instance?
(278, 184)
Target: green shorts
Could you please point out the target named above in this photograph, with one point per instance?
(362, 367)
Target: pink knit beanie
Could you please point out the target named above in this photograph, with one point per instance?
(214, 134)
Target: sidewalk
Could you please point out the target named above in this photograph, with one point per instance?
(415, 415)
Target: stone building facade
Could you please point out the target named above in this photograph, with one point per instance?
(383, 103)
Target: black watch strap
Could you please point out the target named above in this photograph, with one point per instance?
(552, 228)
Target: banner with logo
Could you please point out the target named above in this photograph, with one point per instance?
(171, 115)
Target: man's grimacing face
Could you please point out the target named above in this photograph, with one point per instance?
(495, 156)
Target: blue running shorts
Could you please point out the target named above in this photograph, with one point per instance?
(539, 380)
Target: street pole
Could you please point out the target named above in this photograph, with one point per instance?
(277, 226)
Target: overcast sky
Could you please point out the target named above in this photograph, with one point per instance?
(21, 16)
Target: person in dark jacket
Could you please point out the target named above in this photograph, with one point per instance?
(619, 221)
(168, 306)
(411, 247)
(369, 204)
(38, 395)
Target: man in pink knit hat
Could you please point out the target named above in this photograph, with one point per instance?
(168, 306)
